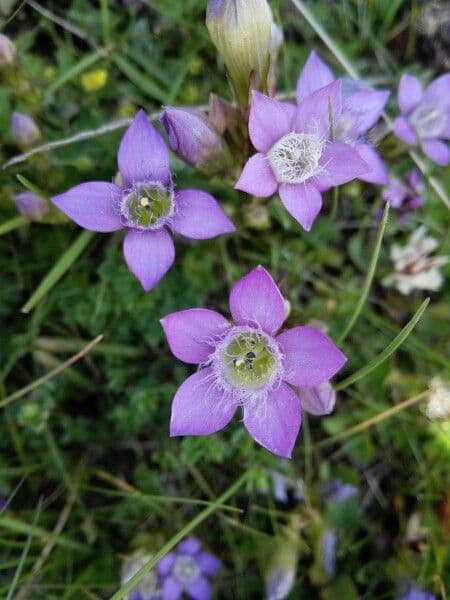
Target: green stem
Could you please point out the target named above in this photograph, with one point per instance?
(12, 224)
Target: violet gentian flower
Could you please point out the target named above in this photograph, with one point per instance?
(146, 204)
(187, 570)
(425, 116)
(411, 592)
(407, 195)
(24, 129)
(361, 109)
(248, 363)
(31, 205)
(336, 491)
(193, 138)
(149, 587)
(296, 152)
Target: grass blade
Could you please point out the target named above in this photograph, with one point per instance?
(59, 269)
(140, 80)
(12, 224)
(390, 349)
(369, 277)
(74, 71)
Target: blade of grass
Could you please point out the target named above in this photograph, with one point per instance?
(14, 223)
(17, 526)
(390, 349)
(193, 523)
(104, 15)
(74, 71)
(369, 277)
(59, 269)
(29, 185)
(140, 80)
(29, 388)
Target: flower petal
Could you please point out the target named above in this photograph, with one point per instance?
(200, 589)
(189, 545)
(310, 357)
(410, 93)
(314, 75)
(199, 407)
(340, 163)
(191, 333)
(257, 177)
(365, 108)
(94, 205)
(164, 566)
(143, 155)
(275, 422)
(208, 563)
(438, 92)
(269, 121)
(171, 589)
(437, 151)
(256, 300)
(198, 216)
(149, 255)
(404, 131)
(378, 172)
(314, 112)
(319, 400)
(302, 201)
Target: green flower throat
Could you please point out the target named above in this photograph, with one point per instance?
(147, 205)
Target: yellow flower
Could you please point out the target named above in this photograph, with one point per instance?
(94, 80)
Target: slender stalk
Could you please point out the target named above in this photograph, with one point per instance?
(14, 223)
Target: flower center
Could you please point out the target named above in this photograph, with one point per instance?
(247, 360)
(147, 206)
(185, 569)
(428, 121)
(295, 157)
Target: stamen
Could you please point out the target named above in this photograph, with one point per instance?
(295, 157)
(147, 206)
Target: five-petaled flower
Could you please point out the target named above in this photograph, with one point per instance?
(296, 153)
(425, 116)
(187, 570)
(247, 363)
(146, 204)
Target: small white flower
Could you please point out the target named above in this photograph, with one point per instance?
(414, 269)
(438, 406)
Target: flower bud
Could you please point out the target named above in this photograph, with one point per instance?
(319, 400)
(31, 205)
(282, 568)
(438, 406)
(241, 31)
(222, 115)
(328, 542)
(194, 139)
(7, 51)
(24, 130)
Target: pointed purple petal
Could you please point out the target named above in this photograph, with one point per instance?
(364, 108)
(437, 151)
(199, 589)
(404, 131)
(438, 92)
(164, 566)
(314, 112)
(143, 155)
(198, 216)
(314, 75)
(319, 400)
(275, 422)
(257, 178)
(189, 545)
(302, 201)
(171, 589)
(191, 333)
(208, 563)
(199, 407)
(256, 300)
(269, 121)
(149, 255)
(340, 164)
(310, 357)
(378, 172)
(94, 205)
(410, 93)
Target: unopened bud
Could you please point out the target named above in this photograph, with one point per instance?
(195, 140)
(241, 31)
(222, 115)
(24, 130)
(319, 400)
(31, 205)
(7, 51)
(282, 568)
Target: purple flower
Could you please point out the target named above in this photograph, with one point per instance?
(405, 196)
(24, 129)
(411, 592)
(361, 109)
(31, 205)
(319, 400)
(194, 139)
(336, 491)
(296, 154)
(186, 570)
(425, 116)
(146, 204)
(247, 363)
(149, 587)
(328, 544)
